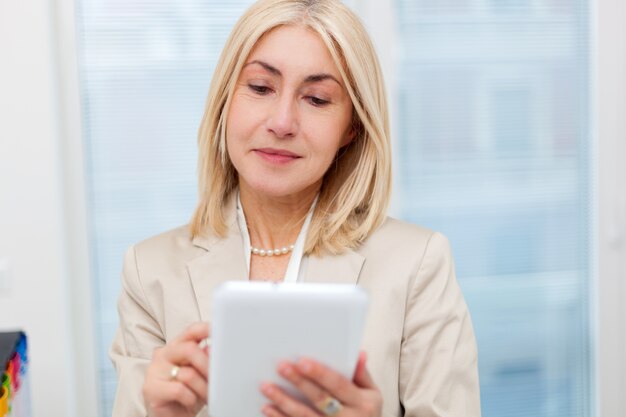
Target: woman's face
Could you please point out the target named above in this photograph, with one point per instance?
(289, 115)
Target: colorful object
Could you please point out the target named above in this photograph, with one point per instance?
(6, 383)
(4, 401)
(13, 366)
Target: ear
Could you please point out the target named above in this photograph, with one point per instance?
(349, 136)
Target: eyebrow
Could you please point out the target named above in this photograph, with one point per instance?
(314, 78)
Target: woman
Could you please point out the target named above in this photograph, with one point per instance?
(294, 178)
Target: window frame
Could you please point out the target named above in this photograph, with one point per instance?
(84, 399)
(609, 130)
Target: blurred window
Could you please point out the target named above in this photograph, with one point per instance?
(492, 117)
(493, 126)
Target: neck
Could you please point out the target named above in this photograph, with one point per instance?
(275, 222)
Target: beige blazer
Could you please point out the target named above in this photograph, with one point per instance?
(419, 337)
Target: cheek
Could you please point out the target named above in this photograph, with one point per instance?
(236, 128)
(329, 138)
(233, 138)
(244, 119)
(324, 152)
(232, 120)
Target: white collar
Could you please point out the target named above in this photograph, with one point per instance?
(295, 266)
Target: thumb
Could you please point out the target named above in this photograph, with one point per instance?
(362, 377)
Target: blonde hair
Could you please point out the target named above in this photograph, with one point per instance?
(356, 188)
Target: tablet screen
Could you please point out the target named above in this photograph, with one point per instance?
(256, 325)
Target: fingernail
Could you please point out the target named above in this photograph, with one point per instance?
(285, 369)
(204, 343)
(305, 365)
(266, 389)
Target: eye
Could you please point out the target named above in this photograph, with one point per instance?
(260, 89)
(317, 102)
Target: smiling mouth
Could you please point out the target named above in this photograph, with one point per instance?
(279, 156)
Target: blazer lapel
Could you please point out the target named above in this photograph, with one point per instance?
(336, 269)
(223, 261)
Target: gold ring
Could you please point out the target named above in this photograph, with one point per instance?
(330, 406)
(174, 372)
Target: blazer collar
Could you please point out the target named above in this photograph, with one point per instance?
(230, 219)
(225, 260)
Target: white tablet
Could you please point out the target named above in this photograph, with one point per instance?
(255, 325)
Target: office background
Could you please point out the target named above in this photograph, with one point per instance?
(509, 137)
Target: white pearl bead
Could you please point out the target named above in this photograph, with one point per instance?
(271, 252)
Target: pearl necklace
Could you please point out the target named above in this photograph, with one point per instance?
(271, 252)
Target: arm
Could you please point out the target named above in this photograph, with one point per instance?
(137, 336)
(145, 364)
(438, 359)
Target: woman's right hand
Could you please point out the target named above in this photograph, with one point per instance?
(176, 383)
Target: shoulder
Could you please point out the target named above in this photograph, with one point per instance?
(393, 228)
(406, 249)
(177, 239)
(170, 248)
(397, 234)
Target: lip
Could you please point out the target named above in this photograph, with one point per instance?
(274, 155)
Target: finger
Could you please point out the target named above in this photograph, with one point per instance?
(196, 332)
(308, 388)
(272, 411)
(194, 381)
(330, 380)
(362, 377)
(188, 353)
(285, 403)
(168, 392)
(184, 353)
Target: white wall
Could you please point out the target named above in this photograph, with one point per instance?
(33, 232)
(610, 129)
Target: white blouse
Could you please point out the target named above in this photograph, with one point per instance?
(297, 263)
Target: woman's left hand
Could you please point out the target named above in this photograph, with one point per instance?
(331, 393)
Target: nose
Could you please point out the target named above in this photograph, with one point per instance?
(283, 117)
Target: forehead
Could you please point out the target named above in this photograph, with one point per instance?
(296, 49)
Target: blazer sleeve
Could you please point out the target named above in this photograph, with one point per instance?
(136, 338)
(438, 358)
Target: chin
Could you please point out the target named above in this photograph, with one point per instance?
(277, 188)
(277, 191)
